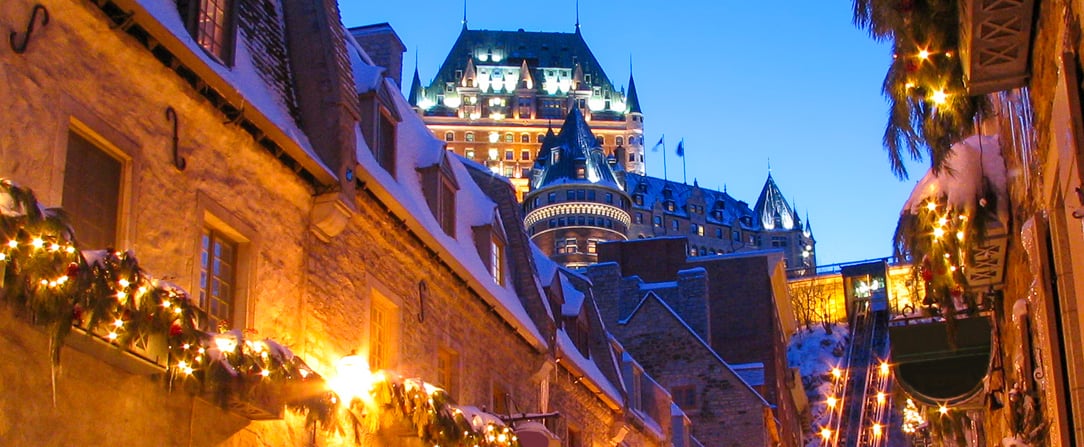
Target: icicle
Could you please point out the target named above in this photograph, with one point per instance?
(53, 366)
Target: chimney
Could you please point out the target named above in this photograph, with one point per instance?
(383, 47)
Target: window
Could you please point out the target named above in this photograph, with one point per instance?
(719, 233)
(378, 121)
(524, 108)
(684, 396)
(657, 220)
(736, 236)
(609, 198)
(383, 329)
(217, 279)
(551, 197)
(496, 260)
(211, 23)
(509, 155)
(508, 171)
(675, 225)
(601, 140)
(692, 251)
(470, 136)
(591, 195)
(524, 138)
(592, 245)
(570, 195)
(779, 241)
(639, 218)
(449, 136)
(525, 154)
(448, 370)
(571, 246)
(620, 141)
(92, 188)
(575, 438)
(581, 194)
(508, 138)
(699, 230)
(500, 398)
(439, 187)
(493, 154)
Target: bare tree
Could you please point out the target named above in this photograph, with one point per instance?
(810, 300)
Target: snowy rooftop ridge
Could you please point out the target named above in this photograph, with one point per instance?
(416, 147)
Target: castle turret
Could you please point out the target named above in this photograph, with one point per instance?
(575, 201)
(633, 160)
(779, 226)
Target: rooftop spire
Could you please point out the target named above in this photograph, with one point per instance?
(416, 91)
(464, 14)
(632, 101)
(577, 16)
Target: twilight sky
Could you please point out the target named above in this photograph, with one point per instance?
(794, 84)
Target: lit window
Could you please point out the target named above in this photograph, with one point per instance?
(592, 245)
(217, 279)
(449, 136)
(469, 153)
(525, 155)
(620, 141)
(509, 155)
(470, 136)
(524, 138)
(92, 186)
(211, 24)
(493, 154)
(383, 327)
(448, 370)
(508, 138)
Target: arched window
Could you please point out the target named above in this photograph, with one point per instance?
(524, 138)
(508, 138)
(620, 141)
(470, 136)
(449, 136)
(540, 138)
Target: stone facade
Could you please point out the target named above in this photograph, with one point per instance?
(738, 304)
(331, 248)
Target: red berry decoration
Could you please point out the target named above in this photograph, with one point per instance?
(175, 330)
(73, 270)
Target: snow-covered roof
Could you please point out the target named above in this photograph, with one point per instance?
(655, 191)
(772, 212)
(573, 298)
(243, 76)
(416, 148)
(579, 158)
(751, 373)
(961, 180)
(570, 353)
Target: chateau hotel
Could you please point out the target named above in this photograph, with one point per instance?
(496, 100)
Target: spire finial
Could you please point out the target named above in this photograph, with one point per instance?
(464, 14)
(769, 165)
(577, 16)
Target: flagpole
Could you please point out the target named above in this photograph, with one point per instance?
(684, 176)
(664, 158)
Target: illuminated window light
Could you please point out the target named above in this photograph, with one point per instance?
(3, 256)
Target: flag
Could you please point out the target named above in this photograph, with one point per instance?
(656, 147)
(681, 148)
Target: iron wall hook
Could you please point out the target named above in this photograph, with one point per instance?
(20, 47)
(178, 160)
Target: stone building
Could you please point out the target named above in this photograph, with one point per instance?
(273, 179)
(680, 314)
(497, 92)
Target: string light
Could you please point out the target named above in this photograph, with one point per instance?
(37, 242)
(881, 397)
(831, 401)
(923, 54)
(13, 243)
(876, 429)
(826, 433)
(837, 373)
(939, 97)
(884, 367)
(942, 409)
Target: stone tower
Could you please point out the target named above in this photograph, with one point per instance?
(575, 200)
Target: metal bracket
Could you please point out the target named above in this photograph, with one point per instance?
(178, 160)
(20, 47)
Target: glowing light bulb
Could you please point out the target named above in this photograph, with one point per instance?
(880, 397)
(943, 221)
(70, 249)
(112, 336)
(938, 232)
(923, 54)
(931, 206)
(837, 373)
(118, 322)
(942, 409)
(165, 304)
(13, 243)
(939, 97)
(876, 429)
(831, 401)
(3, 256)
(54, 246)
(265, 373)
(960, 235)
(826, 433)
(123, 282)
(37, 242)
(884, 367)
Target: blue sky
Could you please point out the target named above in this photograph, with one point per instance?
(795, 84)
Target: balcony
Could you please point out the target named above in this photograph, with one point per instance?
(995, 39)
(936, 365)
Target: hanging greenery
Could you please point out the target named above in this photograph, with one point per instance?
(929, 108)
(106, 294)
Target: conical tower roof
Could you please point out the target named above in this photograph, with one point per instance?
(573, 149)
(632, 101)
(416, 92)
(772, 210)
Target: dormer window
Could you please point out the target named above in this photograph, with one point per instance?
(439, 187)
(555, 155)
(212, 25)
(490, 242)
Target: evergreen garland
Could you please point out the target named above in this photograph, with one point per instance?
(106, 294)
(929, 108)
